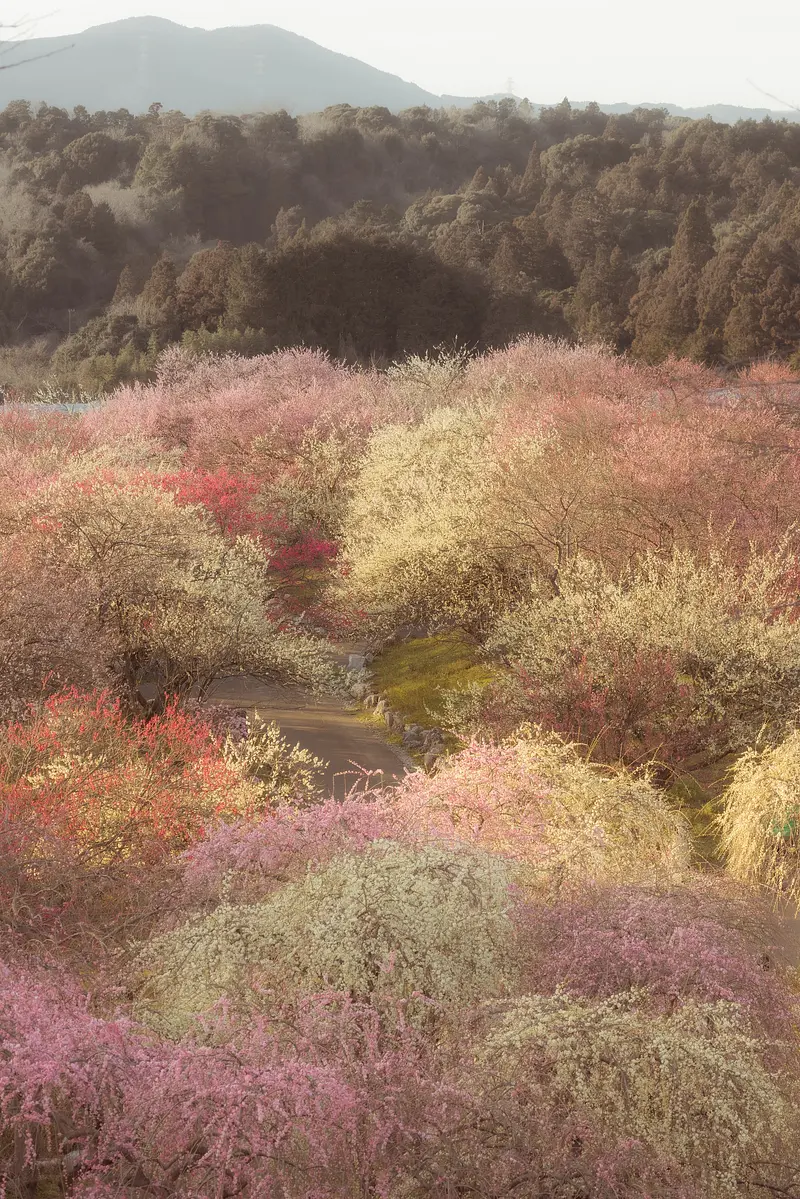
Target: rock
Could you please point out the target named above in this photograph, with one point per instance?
(430, 760)
(359, 690)
(370, 700)
(410, 632)
(412, 740)
(356, 662)
(381, 707)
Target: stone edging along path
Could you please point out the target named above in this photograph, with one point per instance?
(427, 743)
(359, 757)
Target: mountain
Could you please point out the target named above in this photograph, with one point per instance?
(725, 114)
(134, 62)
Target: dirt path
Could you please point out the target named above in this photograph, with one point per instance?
(322, 726)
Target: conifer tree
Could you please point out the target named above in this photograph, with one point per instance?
(766, 312)
(126, 287)
(247, 299)
(478, 182)
(203, 286)
(599, 304)
(531, 183)
(669, 318)
(715, 294)
(158, 302)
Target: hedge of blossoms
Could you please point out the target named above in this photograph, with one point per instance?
(502, 979)
(539, 485)
(677, 656)
(413, 992)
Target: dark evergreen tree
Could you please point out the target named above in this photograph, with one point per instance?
(670, 318)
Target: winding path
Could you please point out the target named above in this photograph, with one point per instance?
(359, 757)
(322, 726)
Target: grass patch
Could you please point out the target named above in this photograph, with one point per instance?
(701, 807)
(412, 675)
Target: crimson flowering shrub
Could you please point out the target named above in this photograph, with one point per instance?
(114, 787)
(237, 504)
(228, 497)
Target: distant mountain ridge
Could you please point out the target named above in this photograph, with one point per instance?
(139, 60)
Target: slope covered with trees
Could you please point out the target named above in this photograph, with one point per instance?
(373, 235)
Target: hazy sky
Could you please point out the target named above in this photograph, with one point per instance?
(692, 52)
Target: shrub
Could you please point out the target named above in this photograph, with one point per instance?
(537, 801)
(48, 635)
(689, 1086)
(427, 924)
(321, 1101)
(119, 789)
(681, 944)
(676, 655)
(430, 381)
(179, 604)
(510, 465)
(250, 415)
(417, 539)
(62, 1072)
(760, 818)
(247, 861)
(284, 771)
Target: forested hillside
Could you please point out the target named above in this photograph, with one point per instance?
(373, 235)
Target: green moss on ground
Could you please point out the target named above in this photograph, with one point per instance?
(412, 675)
(701, 807)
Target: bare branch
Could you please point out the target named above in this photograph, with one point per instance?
(771, 97)
(36, 58)
(9, 47)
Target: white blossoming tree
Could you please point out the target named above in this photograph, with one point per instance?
(173, 603)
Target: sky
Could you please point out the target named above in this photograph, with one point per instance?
(692, 53)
